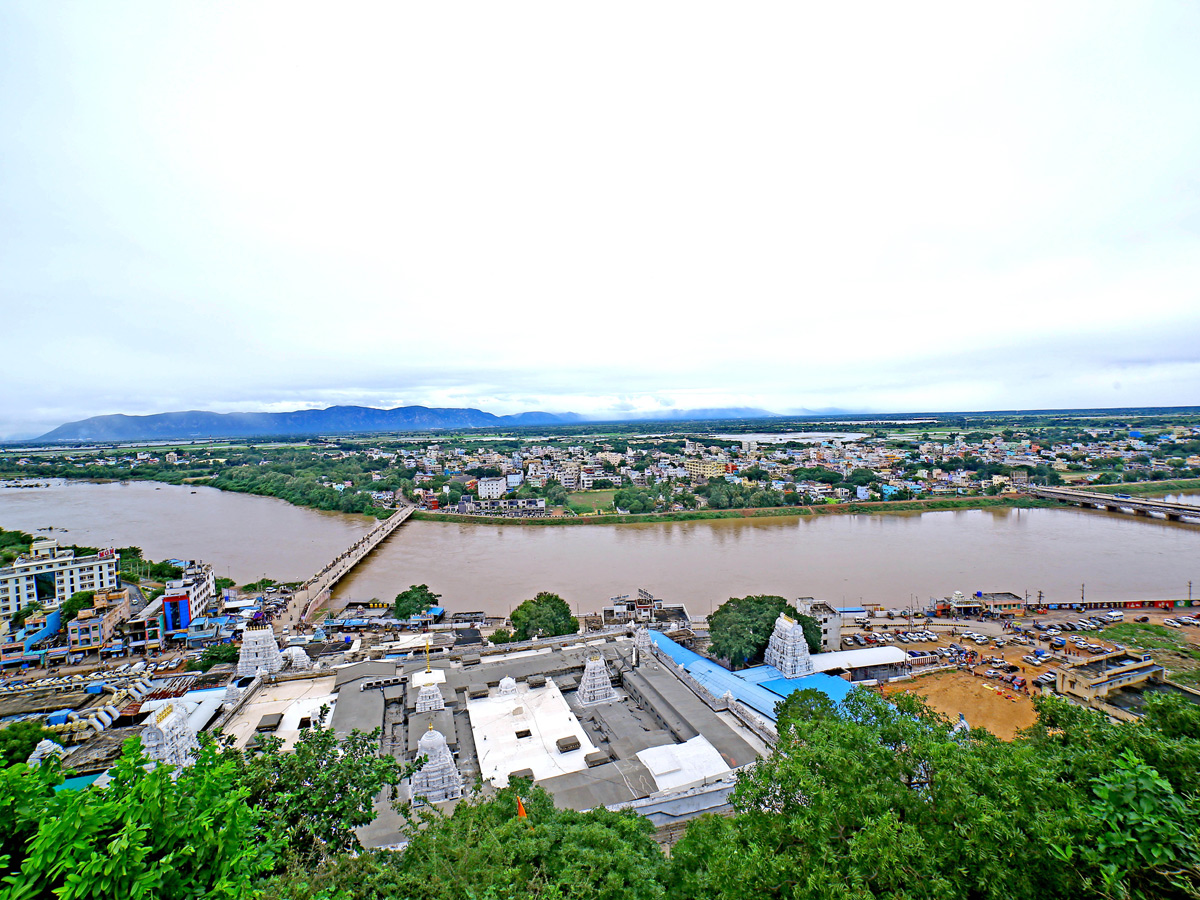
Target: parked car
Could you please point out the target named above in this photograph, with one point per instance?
(1171, 623)
(1032, 660)
(1142, 619)
(991, 673)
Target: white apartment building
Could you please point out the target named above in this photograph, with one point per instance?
(492, 488)
(56, 569)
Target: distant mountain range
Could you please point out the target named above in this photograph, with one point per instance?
(198, 425)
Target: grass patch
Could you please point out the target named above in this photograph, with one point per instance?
(1148, 637)
(591, 500)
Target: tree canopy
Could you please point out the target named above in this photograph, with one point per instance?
(546, 615)
(883, 800)
(413, 601)
(741, 627)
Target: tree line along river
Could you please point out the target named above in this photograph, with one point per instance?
(891, 559)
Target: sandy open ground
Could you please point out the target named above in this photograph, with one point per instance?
(982, 700)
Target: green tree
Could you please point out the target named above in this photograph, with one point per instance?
(417, 599)
(312, 797)
(546, 615)
(485, 849)
(881, 801)
(73, 604)
(501, 636)
(151, 832)
(214, 654)
(740, 628)
(19, 617)
(18, 740)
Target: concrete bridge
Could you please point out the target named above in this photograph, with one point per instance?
(1114, 503)
(317, 590)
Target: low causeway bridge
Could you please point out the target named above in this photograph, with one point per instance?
(318, 589)
(1119, 503)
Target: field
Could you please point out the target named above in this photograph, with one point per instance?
(594, 499)
(1174, 648)
(982, 700)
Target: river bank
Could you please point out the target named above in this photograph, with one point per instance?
(765, 512)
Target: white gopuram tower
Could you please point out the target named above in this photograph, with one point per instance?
(168, 738)
(297, 660)
(45, 750)
(232, 696)
(259, 651)
(429, 699)
(788, 649)
(438, 779)
(641, 639)
(596, 686)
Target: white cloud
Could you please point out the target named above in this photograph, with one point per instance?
(267, 206)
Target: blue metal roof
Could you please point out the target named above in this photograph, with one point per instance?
(759, 687)
(835, 689)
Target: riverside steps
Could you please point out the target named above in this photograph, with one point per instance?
(1114, 503)
(317, 590)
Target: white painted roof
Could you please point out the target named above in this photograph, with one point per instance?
(544, 713)
(676, 765)
(857, 659)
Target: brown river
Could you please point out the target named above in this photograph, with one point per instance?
(891, 559)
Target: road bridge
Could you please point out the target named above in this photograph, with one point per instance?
(1141, 506)
(317, 590)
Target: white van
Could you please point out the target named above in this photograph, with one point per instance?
(860, 621)
(1115, 616)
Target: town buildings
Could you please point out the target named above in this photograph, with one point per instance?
(93, 627)
(49, 575)
(188, 597)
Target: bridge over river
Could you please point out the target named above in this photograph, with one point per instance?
(317, 590)
(1118, 503)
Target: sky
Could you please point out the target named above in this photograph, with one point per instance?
(627, 207)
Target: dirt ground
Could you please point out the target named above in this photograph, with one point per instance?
(982, 700)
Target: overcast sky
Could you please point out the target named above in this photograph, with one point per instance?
(884, 207)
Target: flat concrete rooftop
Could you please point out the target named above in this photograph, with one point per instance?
(294, 700)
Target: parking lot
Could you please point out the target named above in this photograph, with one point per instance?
(997, 664)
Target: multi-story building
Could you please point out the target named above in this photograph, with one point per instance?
(94, 627)
(51, 574)
(827, 617)
(703, 468)
(144, 632)
(492, 488)
(188, 597)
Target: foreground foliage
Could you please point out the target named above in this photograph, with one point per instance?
(145, 835)
(485, 849)
(884, 801)
(868, 800)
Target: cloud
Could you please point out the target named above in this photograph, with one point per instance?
(258, 208)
